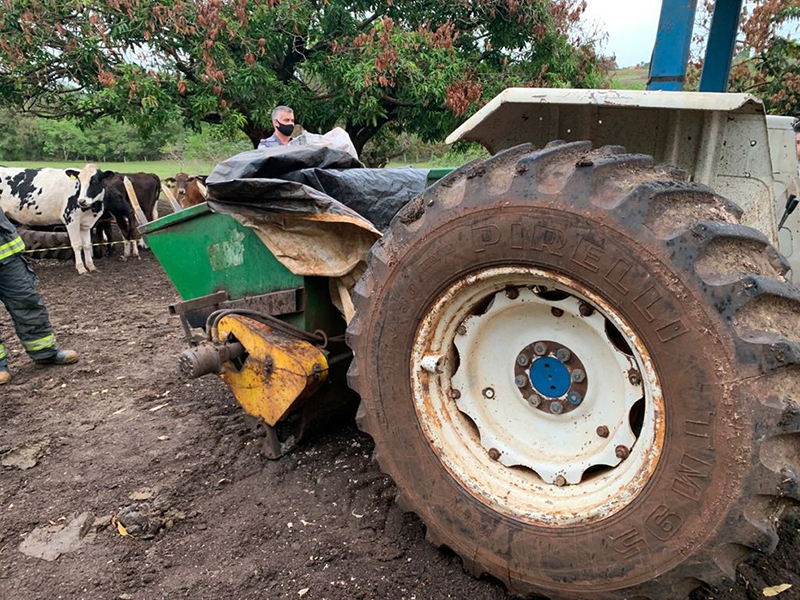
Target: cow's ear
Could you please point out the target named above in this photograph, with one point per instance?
(101, 175)
(72, 173)
(170, 181)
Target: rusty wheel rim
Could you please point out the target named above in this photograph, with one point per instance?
(537, 397)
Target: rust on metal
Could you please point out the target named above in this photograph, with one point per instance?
(195, 312)
(208, 358)
(579, 386)
(277, 372)
(444, 425)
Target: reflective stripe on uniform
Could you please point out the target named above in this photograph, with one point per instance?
(47, 341)
(13, 247)
(3, 352)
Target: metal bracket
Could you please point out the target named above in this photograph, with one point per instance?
(273, 448)
(193, 313)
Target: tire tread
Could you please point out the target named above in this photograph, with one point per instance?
(741, 275)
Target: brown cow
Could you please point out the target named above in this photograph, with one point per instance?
(188, 189)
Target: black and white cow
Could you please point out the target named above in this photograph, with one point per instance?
(45, 197)
(117, 208)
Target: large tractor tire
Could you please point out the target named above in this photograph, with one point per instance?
(582, 374)
(46, 244)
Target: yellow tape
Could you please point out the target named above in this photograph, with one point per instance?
(70, 247)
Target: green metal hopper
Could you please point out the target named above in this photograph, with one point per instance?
(215, 262)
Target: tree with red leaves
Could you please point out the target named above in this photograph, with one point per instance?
(419, 66)
(767, 62)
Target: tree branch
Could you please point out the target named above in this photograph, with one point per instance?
(402, 103)
(179, 64)
(296, 55)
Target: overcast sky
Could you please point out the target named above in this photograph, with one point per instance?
(631, 27)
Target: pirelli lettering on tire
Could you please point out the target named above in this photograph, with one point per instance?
(610, 257)
(590, 252)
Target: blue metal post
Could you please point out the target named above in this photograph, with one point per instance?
(671, 51)
(720, 47)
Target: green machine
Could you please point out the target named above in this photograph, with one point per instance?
(249, 304)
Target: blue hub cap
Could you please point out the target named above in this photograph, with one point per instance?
(550, 377)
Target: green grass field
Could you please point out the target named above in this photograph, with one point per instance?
(629, 79)
(162, 168)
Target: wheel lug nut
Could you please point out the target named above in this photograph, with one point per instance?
(556, 408)
(520, 381)
(622, 452)
(455, 394)
(522, 360)
(602, 431)
(561, 481)
(556, 312)
(563, 354)
(540, 348)
(634, 378)
(494, 453)
(534, 401)
(488, 393)
(578, 376)
(512, 293)
(574, 398)
(461, 329)
(585, 309)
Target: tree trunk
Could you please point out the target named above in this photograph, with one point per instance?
(361, 134)
(256, 133)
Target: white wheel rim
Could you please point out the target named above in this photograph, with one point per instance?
(552, 468)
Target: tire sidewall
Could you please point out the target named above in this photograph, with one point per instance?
(700, 469)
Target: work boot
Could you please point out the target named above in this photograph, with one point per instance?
(5, 376)
(61, 357)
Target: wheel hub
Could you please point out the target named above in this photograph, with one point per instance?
(537, 416)
(550, 377)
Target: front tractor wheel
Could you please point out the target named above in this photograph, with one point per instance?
(581, 373)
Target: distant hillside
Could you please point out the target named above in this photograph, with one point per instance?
(632, 78)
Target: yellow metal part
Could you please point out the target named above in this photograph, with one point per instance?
(279, 371)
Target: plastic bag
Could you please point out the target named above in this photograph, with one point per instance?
(336, 138)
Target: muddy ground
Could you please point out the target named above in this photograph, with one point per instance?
(124, 431)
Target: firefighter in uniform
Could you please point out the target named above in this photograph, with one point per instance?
(24, 304)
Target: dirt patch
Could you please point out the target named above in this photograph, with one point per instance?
(175, 463)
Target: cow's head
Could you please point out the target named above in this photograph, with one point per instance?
(181, 181)
(91, 180)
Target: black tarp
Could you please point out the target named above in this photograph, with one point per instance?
(309, 180)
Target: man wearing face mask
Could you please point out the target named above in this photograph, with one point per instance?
(283, 122)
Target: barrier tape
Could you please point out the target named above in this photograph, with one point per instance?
(48, 248)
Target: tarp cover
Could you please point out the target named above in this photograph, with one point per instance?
(316, 208)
